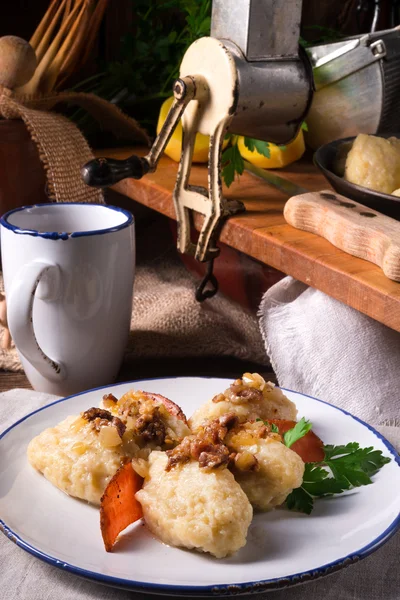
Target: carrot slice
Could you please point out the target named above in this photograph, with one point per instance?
(309, 447)
(118, 506)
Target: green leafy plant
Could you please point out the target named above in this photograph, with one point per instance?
(320, 34)
(149, 58)
(298, 431)
(343, 468)
(232, 161)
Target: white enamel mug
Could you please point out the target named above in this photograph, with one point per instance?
(68, 276)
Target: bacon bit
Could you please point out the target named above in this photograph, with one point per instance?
(206, 446)
(151, 428)
(101, 418)
(250, 395)
(181, 454)
(93, 413)
(110, 398)
(230, 420)
(239, 392)
(176, 459)
(262, 431)
(215, 457)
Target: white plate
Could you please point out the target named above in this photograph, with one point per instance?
(283, 548)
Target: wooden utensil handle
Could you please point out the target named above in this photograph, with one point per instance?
(350, 226)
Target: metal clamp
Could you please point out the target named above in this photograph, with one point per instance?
(378, 49)
(103, 172)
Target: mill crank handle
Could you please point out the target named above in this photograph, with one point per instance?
(103, 172)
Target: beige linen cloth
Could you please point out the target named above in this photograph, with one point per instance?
(24, 577)
(323, 348)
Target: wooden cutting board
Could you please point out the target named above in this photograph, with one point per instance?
(350, 226)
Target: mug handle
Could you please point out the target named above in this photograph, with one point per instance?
(20, 299)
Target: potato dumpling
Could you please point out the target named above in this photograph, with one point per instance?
(77, 457)
(249, 398)
(265, 468)
(276, 472)
(152, 421)
(81, 454)
(194, 508)
(374, 162)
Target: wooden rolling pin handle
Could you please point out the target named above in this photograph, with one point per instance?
(17, 61)
(350, 226)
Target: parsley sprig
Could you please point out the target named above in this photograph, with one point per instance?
(140, 75)
(298, 431)
(343, 468)
(261, 147)
(232, 161)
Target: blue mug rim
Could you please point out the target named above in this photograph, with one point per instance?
(63, 235)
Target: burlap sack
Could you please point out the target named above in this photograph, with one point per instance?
(62, 148)
(167, 321)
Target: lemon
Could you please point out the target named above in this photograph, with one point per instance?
(174, 146)
(279, 157)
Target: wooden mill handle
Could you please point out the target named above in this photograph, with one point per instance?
(350, 226)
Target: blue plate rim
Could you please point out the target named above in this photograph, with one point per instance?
(250, 587)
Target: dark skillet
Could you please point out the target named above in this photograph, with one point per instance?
(331, 159)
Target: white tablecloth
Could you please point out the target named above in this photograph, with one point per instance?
(24, 577)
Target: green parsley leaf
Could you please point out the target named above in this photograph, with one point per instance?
(353, 463)
(300, 501)
(304, 126)
(328, 487)
(332, 451)
(258, 145)
(318, 483)
(274, 428)
(343, 468)
(232, 163)
(297, 432)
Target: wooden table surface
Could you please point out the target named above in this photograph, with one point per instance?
(146, 368)
(262, 233)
